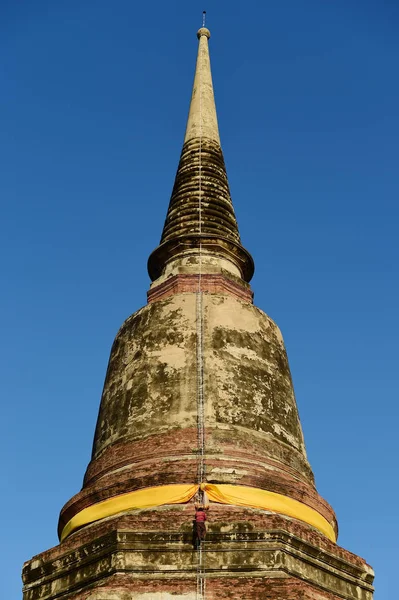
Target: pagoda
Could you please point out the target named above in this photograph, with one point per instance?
(198, 416)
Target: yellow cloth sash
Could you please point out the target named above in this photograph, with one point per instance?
(236, 495)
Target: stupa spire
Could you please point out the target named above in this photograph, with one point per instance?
(202, 119)
(201, 213)
(198, 406)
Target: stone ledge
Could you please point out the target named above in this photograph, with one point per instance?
(150, 555)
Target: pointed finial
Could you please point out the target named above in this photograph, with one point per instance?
(203, 30)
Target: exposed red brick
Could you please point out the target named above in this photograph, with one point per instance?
(189, 283)
(168, 459)
(182, 441)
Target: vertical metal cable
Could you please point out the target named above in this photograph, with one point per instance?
(200, 355)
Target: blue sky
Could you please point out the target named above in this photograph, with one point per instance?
(93, 104)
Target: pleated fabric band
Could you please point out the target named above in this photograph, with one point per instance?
(234, 495)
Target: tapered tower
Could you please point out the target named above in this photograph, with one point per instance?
(198, 411)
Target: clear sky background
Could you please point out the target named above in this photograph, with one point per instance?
(93, 103)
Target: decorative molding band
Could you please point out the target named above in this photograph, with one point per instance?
(210, 283)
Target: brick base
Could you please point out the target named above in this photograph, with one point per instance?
(227, 588)
(272, 558)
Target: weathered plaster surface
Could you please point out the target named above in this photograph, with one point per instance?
(151, 380)
(246, 372)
